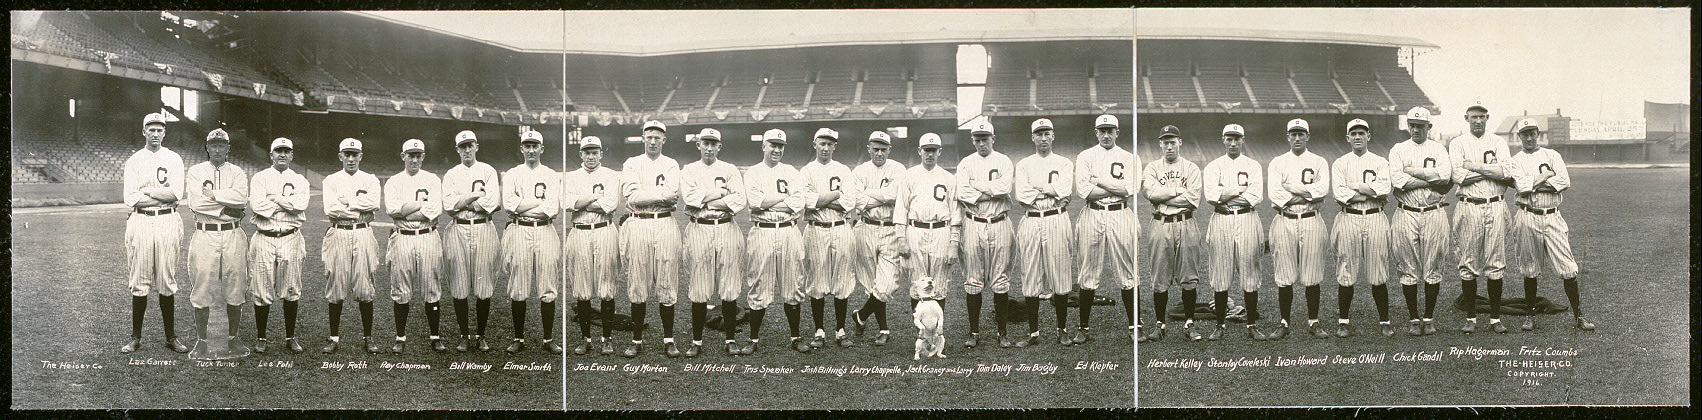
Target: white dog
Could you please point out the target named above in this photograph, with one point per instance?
(930, 322)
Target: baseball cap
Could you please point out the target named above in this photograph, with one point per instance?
(1040, 124)
(590, 142)
(1234, 129)
(1525, 124)
(880, 137)
(656, 125)
(1299, 125)
(154, 118)
(465, 136)
(1169, 131)
(709, 134)
(532, 137)
(1418, 113)
(827, 133)
(1105, 121)
(1477, 106)
(929, 140)
(982, 127)
(413, 145)
(1358, 123)
(774, 135)
(282, 143)
(349, 144)
(218, 134)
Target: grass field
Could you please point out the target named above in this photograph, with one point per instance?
(1628, 233)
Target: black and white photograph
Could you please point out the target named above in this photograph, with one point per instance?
(1414, 207)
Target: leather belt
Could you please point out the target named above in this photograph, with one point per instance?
(593, 226)
(827, 224)
(532, 223)
(1243, 210)
(930, 225)
(662, 215)
(215, 227)
(1539, 211)
(471, 221)
(412, 232)
(276, 234)
(156, 212)
(989, 220)
(349, 226)
(1108, 207)
(1373, 210)
(878, 222)
(1171, 218)
(1494, 199)
(703, 221)
(767, 225)
(1299, 216)
(1423, 209)
(1045, 213)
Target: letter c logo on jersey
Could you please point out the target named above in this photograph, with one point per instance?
(206, 185)
(1429, 162)
(1117, 170)
(659, 179)
(159, 175)
(289, 189)
(538, 190)
(720, 182)
(1489, 156)
(833, 184)
(597, 189)
(939, 192)
(992, 174)
(1308, 176)
(780, 186)
(1368, 176)
(1051, 177)
(479, 185)
(885, 182)
(359, 193)
(422, 195)
(1241, 178)
(1545, 169)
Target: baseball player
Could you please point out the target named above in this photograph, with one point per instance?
(1105, 179)
(1483, 173)
(777, 195)
(713, 191)
(278, 196)
(1539, 231)
(829, 243)
(153, 183)
(874, 192)
(350, 250)
(927, 206)
(1044, 183)
(218, 260)
(1360, 181)
(984, 183)
(471, 194)
(532, 193)
(650, 239)
(1234, 186)
(1298, 184)
(411, 198)
(1420, 175)
(591, 194)
(1172, 185)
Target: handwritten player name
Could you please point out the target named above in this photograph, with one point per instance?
(632, 369)
(340, 366)
(470, 366)
(391, 366)
(274, 364)
(529, 367)
(1096, 366)
(1232, 364)
(215, 364)
(152, 362)
(705, 368)
(1475, 352)
(48, 364)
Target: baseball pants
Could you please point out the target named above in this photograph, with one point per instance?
(929, 251)
(1175, 255)
(1362, 243)
(591, 259)
(1297, 250)
(1044, 244)
(1540, 237)
(350, 256)
(1107, 239)
(473, 254)
(150, 245)
(774, 256)
(877, 259)
(716, 254)
(830, 253)
(1235, 241)
(651, 250)
(416, 262)
(530, 260)
(1419, 240)
(1480, 233)
(987, 255)
(274, 270)
(218, 268)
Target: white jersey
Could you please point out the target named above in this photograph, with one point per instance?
(994, 172)
(273, 216)
(925, 195)
(603, 184)
(874, 189)
(461, 180)
(1431, 156)
(421, 187)
(1352, 169)
(537, 190)
(351, 197)
(1530, 166)
(698, 180)
(1228, 173)
(1113, 166)
(1489, 150)
(150, 169)
(1045, 182)
(1306, 172)
(202, 178)
(823, 178)
(781, 180)
(650, 177)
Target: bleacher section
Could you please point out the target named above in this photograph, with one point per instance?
(1316, 87)
(1270, 85)
(786, 89)
(1221, 82)
(1172, 85)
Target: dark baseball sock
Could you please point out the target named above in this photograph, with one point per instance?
(202, 315)
(1128, 296)
(1001, 310)
(1032, 307)
(583, 312)
(138, 311)
(792, 314)
(261, 313)
(868, 307)
(461, 314)
(1572, 296)
(1285, 299)
(1159, 301)
(432, 316)
(756, 323)
(973, 301)
(1495, 298)
(1061, 309)
(699, 313)
(547, 317)
(1220, 306)
(817, 307)
(365, 318)
(1344, 302)
(608, 312)
(1468, 292)
(1530, 291)
(1251, 302)
(667, 313)
(638, 319)
(1085, 311)
(233, 318)
(729, 312)
(839, 312)
(880, 314)
(336, 312)
(1380, 294)
(1430, 292)
(291, 308)
(401, 311)
(483, 310)
(517, 316)
(1189, 296)
(1314, 293)
(168, 315)
(1411, 293)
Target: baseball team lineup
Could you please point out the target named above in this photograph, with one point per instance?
(817, 233)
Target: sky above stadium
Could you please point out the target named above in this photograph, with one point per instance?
(1592, 64)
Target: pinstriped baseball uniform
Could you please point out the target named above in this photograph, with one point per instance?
(1361, 237)
(279, 201)
(530, 253)
(650, 242)
(414, 251)
(218, 253)
(926, 207)
(472, 249)
(1235, 233)
(874, 190)
(151, 242)
(986, 246)
(775, 255)
(593, 243)
(1176, 243)
(1480, 229)
(715, 249)
(1539, 231)
(1044, 184)
(1107, 236)
(1298, 240)
(350, 254)
(830, 249)
(1419, 236)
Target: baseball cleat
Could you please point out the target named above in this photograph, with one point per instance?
(844, 341)
(671, 349)
(857, 318)
(1530, 323)
(1498, 328)
(462, 346)
(1064, 337)
(1317, 332)
(1157, 334)
(1081, 336)
(693, 349)
(552, 346)
(583, 347)
(397, 348)
(1429, 327)
(1193, 335)
(260, 345)
(176, 344)
(295, 346)
(516, 346)
(1031, 340)
(329, 348)
(800, 346)
(608, 347)
(1277, 334)
(131, 346)
(1388, 329)
(1005, 342)
(1254, 334)
(1470, 327)
(733, 348)
(817, 341)
(631, 350)
(882, 338)
(1343, 331)
(371, 347)
(1216, 333)
(748, 349)
(974, 339)
(483, 345)
(1584, 324)
(438, 346)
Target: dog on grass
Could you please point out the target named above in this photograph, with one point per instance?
(930, 322)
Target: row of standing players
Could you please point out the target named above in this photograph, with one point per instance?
(1418, 175)
(871, 226)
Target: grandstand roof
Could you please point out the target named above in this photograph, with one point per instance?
(1267, 35)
